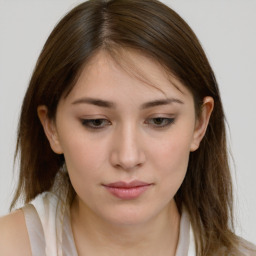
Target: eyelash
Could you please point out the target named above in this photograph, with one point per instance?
(90, 123)
(164, 122)
(97, 124)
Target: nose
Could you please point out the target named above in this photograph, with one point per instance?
(127, 152)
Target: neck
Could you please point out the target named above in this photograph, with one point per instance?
(94, 236)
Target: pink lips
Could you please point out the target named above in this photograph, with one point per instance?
(130, 190)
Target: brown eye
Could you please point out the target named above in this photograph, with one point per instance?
(95, 123)
(160, 122)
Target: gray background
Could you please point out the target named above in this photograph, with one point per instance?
(227, 31)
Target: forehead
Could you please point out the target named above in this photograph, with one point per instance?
(126, 72)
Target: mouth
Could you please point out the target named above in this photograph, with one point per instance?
(127, 190)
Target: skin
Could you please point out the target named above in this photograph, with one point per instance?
(134, 140)
(14, 238)
(129, 144)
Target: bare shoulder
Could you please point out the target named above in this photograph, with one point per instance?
(14, 238)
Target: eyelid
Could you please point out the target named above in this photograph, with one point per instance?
(157, 122)
(168, 121)
(88, 123)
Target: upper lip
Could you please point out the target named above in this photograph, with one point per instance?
(123, 184)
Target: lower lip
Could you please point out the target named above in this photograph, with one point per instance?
(127, 193)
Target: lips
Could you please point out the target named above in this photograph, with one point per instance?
(127, 190)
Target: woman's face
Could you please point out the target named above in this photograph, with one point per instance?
(126, 143)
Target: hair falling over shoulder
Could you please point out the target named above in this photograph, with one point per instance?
(154, 29)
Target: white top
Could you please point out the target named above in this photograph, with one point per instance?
(50, 234)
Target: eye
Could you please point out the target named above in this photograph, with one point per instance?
(160, 122)
(95, 123)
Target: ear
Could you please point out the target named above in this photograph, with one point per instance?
(49, 129)
(202, 122)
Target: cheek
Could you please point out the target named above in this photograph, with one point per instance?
(85, 167)
(84, 158)
(174, 150)
(171, 161)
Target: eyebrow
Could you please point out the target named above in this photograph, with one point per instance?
(96, 102)
(155, 103)
(109, 104)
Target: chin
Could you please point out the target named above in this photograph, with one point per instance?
(130, 215)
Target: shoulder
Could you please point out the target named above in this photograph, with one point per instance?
(14, 239)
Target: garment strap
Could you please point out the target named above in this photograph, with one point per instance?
(186, 237)
(35, 230)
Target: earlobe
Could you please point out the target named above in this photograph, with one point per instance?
(49, 129)
(202, 122)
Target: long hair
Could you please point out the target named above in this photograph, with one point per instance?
(152, 28)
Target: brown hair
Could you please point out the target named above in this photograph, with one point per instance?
(156, 30)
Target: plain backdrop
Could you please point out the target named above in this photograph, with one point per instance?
(227, 31)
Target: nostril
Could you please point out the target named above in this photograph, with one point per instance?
(127, 161)
(128, 151)
(128, 166)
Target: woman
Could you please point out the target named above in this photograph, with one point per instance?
(122, 141)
